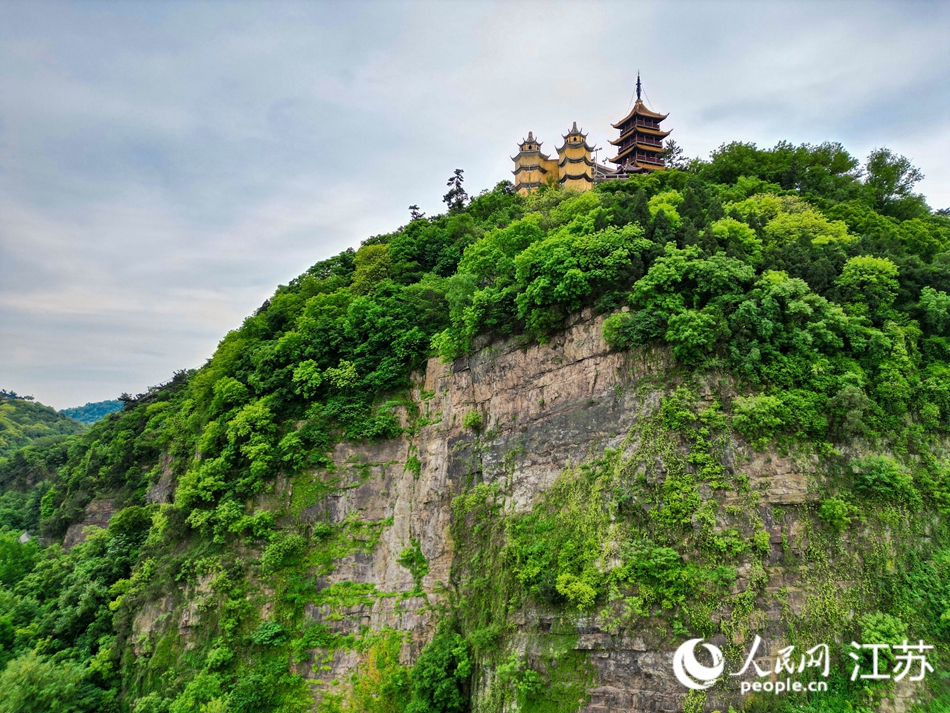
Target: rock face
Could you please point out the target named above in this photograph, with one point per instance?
(97, 514)
(541, 409)
(163, 490)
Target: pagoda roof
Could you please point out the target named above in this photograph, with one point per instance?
(533, 167)
(639, 109)
(628, 167)
(641, 130)
(532, 139)
(532, 152)
(562, 148)
(581, 159)
(632, 147)
(577, 177)
(574, 132)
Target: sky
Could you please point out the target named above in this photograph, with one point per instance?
(165, 165)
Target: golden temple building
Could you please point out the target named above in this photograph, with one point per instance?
(533, 168)
(575, 168)
(639, 150)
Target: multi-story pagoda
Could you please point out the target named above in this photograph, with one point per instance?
(532, 168)
(575, 168)
(639, 149)
(640, 145)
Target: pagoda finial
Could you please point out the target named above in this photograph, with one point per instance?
(574, 128)
(638, 85)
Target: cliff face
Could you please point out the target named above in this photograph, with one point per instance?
(542, 411)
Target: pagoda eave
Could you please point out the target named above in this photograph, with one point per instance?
(585, 146)
(642, 147)
(640, 130)
(578, 177)
(580, 159)
(532, 153)
(534, 167)
(625, 158)
(640, 110)
(649, 166)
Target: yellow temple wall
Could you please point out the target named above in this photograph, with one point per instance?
(533, 173)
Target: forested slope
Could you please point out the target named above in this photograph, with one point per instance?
(804, 301)
(24, 420)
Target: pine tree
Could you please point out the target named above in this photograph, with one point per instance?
(640, 211)
(694, 203)
(456, 198)
(714, 210)
(661, 230)
(709, 243)
(687, 234)
(673, 155)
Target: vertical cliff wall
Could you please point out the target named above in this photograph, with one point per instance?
(510, 422)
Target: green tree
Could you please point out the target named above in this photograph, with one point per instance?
(373, 264)
(560, 273)
(889, 180)
(440, 678)
(805, 224)
(935, 306)
(34, 684)
(456, 197)
(673, 155)
(738, 240)
(870, 283)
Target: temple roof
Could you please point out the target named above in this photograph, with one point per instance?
(637, 167)
(532, 152)
(574, 144)
(580, 159)
(530, 140)
(639, 109)
(533, 167)
(574, 132)
(632, 147)
(640, 130)
(565, 146)
(626, 155)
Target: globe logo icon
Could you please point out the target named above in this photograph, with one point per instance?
(693, 674)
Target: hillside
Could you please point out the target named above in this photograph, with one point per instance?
(92, 411)
(511, 457)
(24, 421)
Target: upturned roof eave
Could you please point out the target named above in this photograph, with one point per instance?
(639, 110)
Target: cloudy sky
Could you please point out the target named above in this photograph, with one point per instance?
(164, 165)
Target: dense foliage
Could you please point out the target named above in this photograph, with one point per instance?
(23, 421)
(93, 411)
(821, 287)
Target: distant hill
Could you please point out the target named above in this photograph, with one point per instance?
(92, 412)
(24, 421)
